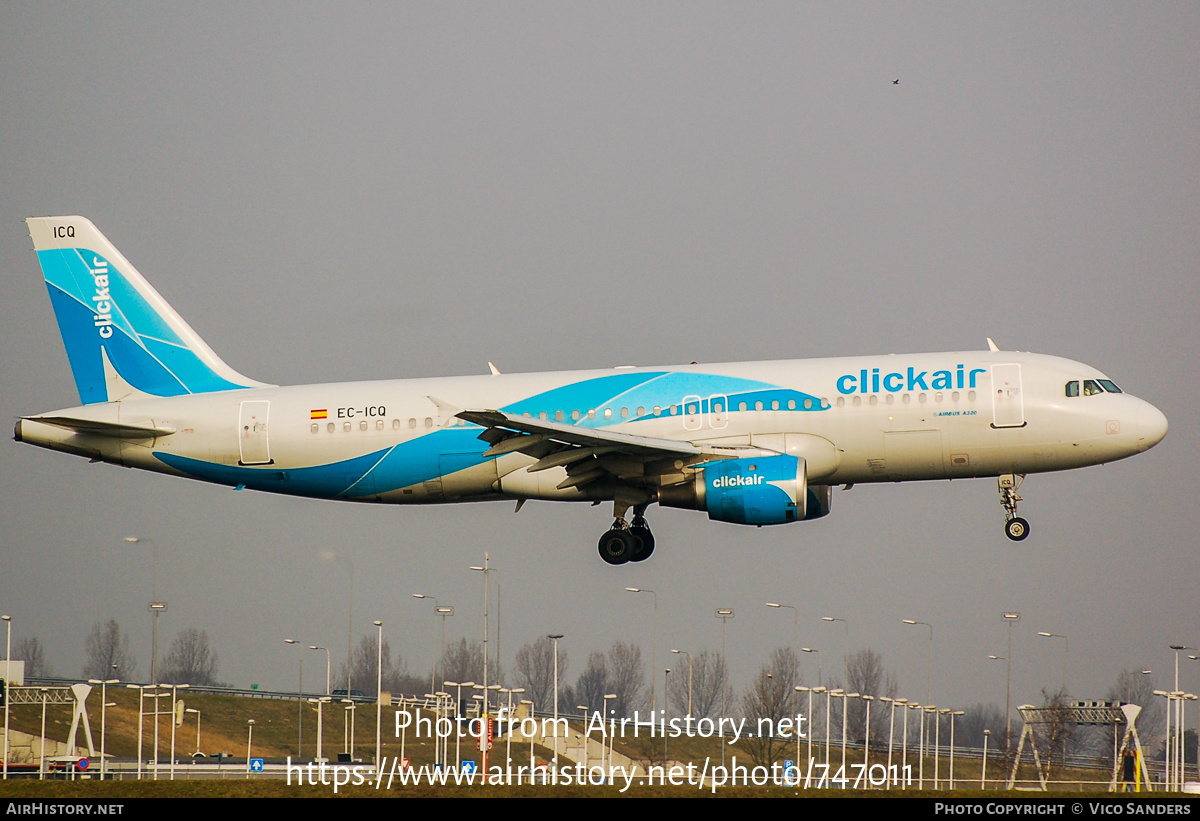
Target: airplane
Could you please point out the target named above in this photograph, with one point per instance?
(750, 443)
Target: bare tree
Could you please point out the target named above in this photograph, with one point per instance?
(1135, 687)
(1058, 731)
(535, 670)
(626, 678)
(771, 696)
(396, 678)
(191, 660)
(31, 652)
(710, 686)
(977, 718)
(463, 661)
(591, 687)
(108, 653)
(865, 675)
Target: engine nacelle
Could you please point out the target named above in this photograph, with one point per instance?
(765, 490)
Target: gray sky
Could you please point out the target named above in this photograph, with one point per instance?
(370, 191)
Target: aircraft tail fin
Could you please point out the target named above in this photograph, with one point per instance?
(112, 320)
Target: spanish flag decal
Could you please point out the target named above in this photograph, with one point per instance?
(323, 413)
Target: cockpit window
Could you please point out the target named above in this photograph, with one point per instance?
(1109, 385)
(1090, 388)
(1072, 389)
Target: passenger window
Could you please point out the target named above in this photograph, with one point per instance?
(792, 404)
(395, 424)
(874, 400)
(841, 401)
(1072, 389)
(592, 413)
(542, 416)
(346, 427)
(608, 413)
(857, 401)
(379, 424)
(314, 427)
(558, 416)
(641, 411)
(1090, 388)
(362, 425)
(575, 415)
(741, 406)
(775, 404)
(758, 406)
(428, 421)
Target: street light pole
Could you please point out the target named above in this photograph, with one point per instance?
(689, 655)
(1066, 653)
(1010, 618)
(378, 691)
(249, 744)
(7, 676)
(155, 607)
(299, 701)
(554, 637)
(929, 679)
(818, 652)
(653, 652)
(326, 649)
(103, 708)
(845, 637)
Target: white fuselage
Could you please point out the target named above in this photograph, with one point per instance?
(868, 419)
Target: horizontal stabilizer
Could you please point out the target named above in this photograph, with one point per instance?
(97, 428)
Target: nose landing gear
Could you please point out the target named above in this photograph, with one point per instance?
(1015, 527)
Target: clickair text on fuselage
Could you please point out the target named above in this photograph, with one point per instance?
(874, 382)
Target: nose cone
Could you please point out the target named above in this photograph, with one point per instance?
(1151, 426)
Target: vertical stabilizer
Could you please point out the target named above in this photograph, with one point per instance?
(112, 320)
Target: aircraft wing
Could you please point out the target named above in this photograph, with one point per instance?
(524, 427)
(587, 454)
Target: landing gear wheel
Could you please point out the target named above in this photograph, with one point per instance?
(1016, 528)
(643, 534)
(618, 546)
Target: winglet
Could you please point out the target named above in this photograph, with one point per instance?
(992, 345)
(495, 371)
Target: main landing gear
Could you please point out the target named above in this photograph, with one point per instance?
(625, 542)
(1015, 527)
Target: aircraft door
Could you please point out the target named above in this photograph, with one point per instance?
(718, 411)
(1008, 406)
(692, 416)
(253, 446)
